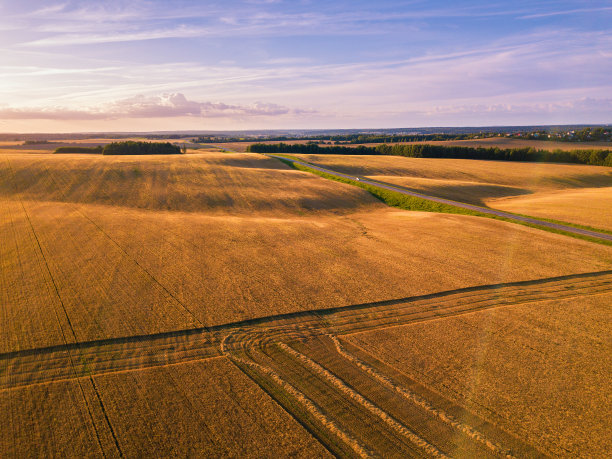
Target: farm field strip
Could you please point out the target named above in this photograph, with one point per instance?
(344, 388)
(340, 401)
(471, 207)
(314, 414)
(337, 421)
(417, 399)
(503, 364)
(52, 363)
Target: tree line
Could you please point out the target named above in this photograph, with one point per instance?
(129, 147)
(529, 154)
(76, 149)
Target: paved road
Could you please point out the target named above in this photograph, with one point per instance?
(484, 210)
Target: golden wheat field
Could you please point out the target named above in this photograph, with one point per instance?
(587, 206)
(505, 363)
(224, 304)
(574, 193)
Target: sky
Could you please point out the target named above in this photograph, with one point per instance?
(119, 65)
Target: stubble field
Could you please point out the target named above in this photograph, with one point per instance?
(130, 288)
(569, 192)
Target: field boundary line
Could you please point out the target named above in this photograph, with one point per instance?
(31, 366)
(115, 372)
(316, 314)
(444, 315)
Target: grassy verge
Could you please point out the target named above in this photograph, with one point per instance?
(405, 202)
(573, 225)
(544, 219)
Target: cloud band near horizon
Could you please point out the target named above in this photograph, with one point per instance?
(79, 64)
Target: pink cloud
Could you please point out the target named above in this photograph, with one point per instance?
(162, 106)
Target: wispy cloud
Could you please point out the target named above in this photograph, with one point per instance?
(162, 106)
(569, 11)
(582, 105)
(111, 22)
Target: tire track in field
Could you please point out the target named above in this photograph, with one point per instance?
(367, 404)
(379, 430)
(72, 366)
(420, 401)
(340, 412)
(35, 366)
(303, 400)
(77, 207)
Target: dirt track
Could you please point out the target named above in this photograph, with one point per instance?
(354, 404)
(142, 351)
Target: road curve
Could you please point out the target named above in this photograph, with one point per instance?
(484, 210)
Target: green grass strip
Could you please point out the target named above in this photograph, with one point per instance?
(405, 202)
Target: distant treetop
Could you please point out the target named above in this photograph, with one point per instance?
(141, 148)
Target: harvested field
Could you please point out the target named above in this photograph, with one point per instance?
(191, 183)
(206, 409)
(154, 298)
(505, 363)
(589, 206)
(487, 182)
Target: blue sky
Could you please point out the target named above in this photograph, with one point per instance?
(273, 64)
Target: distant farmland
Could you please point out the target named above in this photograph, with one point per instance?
(493, 142)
